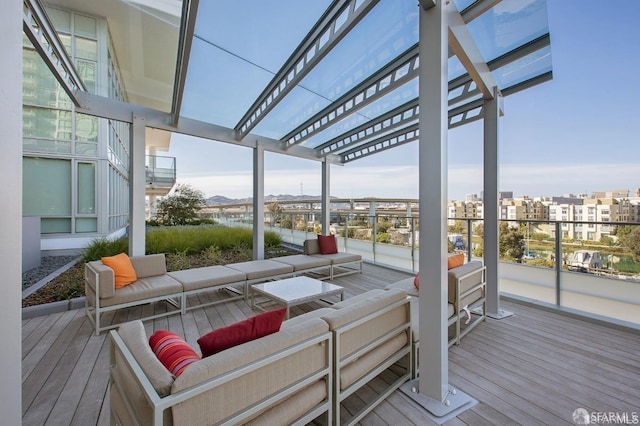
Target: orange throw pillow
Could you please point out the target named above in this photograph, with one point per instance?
(122, 269)
(455, 261)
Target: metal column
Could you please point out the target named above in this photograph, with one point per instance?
(137, 188)
(326, 197)
(432, 389)
(258, 202)
(491, 164)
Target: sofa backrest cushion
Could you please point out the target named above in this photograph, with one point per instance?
(172, 351)
(247, 389)
(135, 338)
(363, 334)
(468, 282)
(241, 332)
(453, 261)
(104, 275)
(122, 269)
(311, 247)
(328, 244)
(149, 265)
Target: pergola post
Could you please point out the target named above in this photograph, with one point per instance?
(326, 197)
(137, 187)
(11, 223)
(258, 202)
(431, 389)
(491, 122)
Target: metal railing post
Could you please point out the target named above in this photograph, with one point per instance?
(413, 243)
(558, 261)
(374, 237)
(469, 238)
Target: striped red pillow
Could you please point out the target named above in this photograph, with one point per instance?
(172, 351)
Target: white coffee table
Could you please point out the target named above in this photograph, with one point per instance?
(293, 291)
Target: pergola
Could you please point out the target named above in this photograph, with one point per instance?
(330, 80)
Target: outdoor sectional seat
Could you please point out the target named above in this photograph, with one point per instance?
(261, 270)
(466, 291)
(208, 278)
(341, 263)
(281, 378)
(309, 367)
(153, 284)
(304, 264)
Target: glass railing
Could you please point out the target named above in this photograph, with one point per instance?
(160, 170)
(599, 277)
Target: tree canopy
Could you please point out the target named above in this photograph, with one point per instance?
(181, 206)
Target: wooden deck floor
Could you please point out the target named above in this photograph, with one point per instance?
(533, 368)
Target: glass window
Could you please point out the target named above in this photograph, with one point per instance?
(86, 188)
(47, 187)
(85, 26)
(87, 49)
(61, 19)
(86, 128)
(87, 72)
(46, 123)
(55, 226)
(86, 224)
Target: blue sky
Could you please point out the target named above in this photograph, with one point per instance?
(577, 133)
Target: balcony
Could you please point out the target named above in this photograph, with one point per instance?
(160, 175)
(536, 367)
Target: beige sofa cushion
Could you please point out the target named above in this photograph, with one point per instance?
(255, 269)
(311, 246)
(105, 275)
(339, 258)
(301, 262)
(208, 276)
(293, 407)
(144, 288)
(149, 265)
(466, 283)
(135, 338)
(360, 336)
(244, 391)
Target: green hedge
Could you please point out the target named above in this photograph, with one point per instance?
(182, 239)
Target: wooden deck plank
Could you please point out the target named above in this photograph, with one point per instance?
(534, 368)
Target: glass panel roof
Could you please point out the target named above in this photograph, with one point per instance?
(508, 25)
(237, 49)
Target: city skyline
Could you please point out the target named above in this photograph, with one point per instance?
(573, 134)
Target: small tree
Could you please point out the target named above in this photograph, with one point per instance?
(181, 206)
(511, 242)
(629, 236)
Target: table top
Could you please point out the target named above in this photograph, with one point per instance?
(297, 288)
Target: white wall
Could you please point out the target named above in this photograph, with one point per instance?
(11, 216)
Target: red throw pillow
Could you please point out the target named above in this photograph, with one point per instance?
(328, 244)
(241, 332)
(416, 281)
(172, 351)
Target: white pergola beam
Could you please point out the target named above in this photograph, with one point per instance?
(258, 202)
(187, 27)
(464, 47)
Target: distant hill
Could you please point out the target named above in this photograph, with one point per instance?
(221, 199)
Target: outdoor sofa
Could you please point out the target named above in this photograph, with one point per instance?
(292, 376)
(466, 303)
(153, 283)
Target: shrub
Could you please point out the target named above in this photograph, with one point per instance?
(102, 247)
